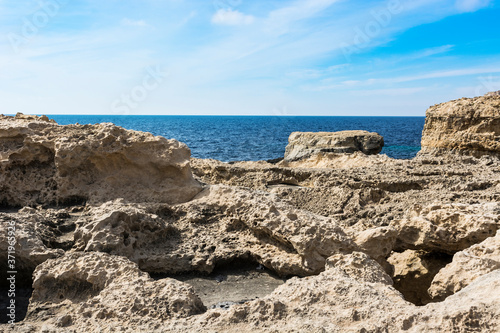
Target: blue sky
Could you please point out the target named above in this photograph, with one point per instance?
(242, 57)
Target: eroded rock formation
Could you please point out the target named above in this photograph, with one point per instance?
(360, 243)
(447, 228)
(221, 225)
(305, 144)
(28, 241)
(468, 126)
(45, 163)
(467, 265)
(97, 289)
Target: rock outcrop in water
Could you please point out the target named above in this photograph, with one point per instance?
(362, 243)
(45, 163)
(306, 144)
(468, 126)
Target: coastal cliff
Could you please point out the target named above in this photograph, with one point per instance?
(468, 126)
(121, 231)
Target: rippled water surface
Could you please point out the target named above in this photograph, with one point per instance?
(234, 138)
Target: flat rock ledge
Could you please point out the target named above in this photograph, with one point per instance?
(302, 145)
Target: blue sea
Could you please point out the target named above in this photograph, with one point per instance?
(253, 138)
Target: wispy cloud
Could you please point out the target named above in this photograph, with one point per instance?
(134, 23)
(444, 74)
(231, 17)
(471, 5)
(412, 78)
(285, 52)
(318, 73)
(432, 51)
(388, 92)
(280, 20)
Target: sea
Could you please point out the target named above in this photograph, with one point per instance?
(254, 138)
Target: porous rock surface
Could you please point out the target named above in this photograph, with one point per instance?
(413, 272)
(305, 144)
(370, 196)
(467, 265)
(98, 289)
(447, 228)
(220, 225)
(45, 163)
(28, 244)
(360, 242)
(354, 294)
(468, 126)
(337, 161)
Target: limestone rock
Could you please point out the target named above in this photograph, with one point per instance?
(377, 242)
(413, 273)
(220, 225)
(493, 93)
(467, 266)
(45, 163)
(324, 219)
(338, 161)
(362, 198)
(93, 289)
(475, 308)
(29, 248)
(343, 298)
(468, 126)
(305, 144)
(447, 227)
(354, 294)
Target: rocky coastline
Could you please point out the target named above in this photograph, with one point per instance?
(122, 231)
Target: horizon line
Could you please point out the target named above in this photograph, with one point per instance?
(206, 115)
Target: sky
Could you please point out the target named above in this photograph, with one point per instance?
(242, 57)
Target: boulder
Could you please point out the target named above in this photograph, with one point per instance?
(447, 227)
(377, 242)
(305, 144)
(91, 290)
(45, 163)
(468, 126)
(467, 266)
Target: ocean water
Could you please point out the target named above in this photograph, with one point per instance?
(253, 138)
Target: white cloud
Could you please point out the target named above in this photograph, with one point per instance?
(388, 92)
(433, 51)
(404, 79)
(471, 5)
(231, 17)
(318, 73)
(279, 20)
(134, 23)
